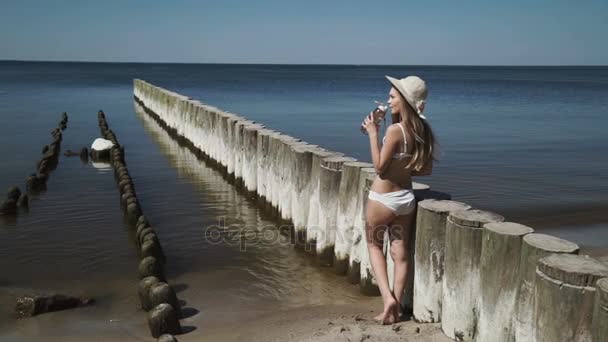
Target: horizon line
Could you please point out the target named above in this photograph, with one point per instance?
(304, 64)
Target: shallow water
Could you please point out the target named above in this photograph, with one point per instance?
(252, 269)
(525, 142)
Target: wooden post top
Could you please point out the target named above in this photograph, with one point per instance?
(550, 243)
(474, 218)
(573, 269)
(508, 228)
(442, 206)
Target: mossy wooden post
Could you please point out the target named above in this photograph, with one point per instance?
(163, 319)
(461, 278)
(565, 294)
(499, 274)
(534, 247)
(600, 312)
(431, 222)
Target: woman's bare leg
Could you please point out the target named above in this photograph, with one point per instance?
(399, 233)
(378, 218)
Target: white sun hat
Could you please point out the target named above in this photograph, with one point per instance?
(413, 89)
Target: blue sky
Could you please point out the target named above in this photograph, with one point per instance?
(542, 32)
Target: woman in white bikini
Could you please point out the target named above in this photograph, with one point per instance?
(407, 150)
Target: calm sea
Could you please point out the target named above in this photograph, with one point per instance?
(526, 142)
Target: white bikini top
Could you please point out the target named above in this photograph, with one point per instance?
(400, 155)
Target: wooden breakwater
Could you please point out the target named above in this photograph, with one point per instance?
(487, 279)
(156, 296)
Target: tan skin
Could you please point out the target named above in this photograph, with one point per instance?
(393, 175)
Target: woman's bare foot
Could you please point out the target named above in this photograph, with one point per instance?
(397, 311)
(390, 314)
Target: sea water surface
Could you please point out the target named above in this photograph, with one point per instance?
(526, 142)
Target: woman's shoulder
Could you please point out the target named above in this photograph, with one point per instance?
(393, 127)
(394, 130)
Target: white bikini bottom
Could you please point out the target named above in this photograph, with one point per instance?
(401, 202)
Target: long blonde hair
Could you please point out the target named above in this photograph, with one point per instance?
(424, 140)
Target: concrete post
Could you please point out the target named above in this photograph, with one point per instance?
(599, 326)
(329, 188)
(499, 276)
(461, 278)
(312, 226)
(565, 294)
(348, 205)
(429, 257)
(534, 247)
(359, 245)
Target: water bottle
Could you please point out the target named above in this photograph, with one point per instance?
(378, 114)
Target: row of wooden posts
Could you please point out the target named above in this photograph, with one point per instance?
(483, 278)
(156, 296)
(36, 181)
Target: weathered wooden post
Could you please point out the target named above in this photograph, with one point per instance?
(500, 251)
(367, 283)
(534, 247)
(348, 205)
(429, 257)
(312, 222)
(329, 188)
(461, 278)
(600, 312)
(300, 195)
(359, 245)
(565, 294)
(163, 319)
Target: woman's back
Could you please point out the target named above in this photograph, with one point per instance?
(396, 176)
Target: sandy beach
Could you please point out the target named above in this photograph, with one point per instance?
(328, 323)
(341, 322)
